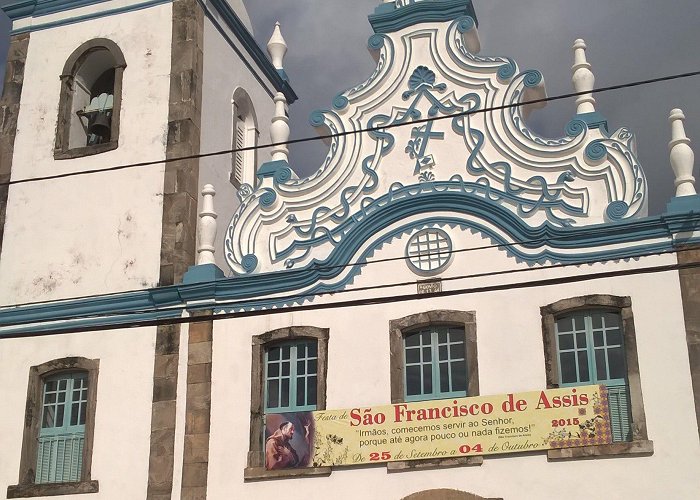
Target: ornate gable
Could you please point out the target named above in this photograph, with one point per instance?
(447, 142)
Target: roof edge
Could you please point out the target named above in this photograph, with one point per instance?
(388, 18)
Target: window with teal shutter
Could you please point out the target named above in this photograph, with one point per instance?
(62, 432)
(291, 371)
(435, 364)
(591, 350)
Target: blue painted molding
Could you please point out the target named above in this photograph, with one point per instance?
(594, 120)
(26, 8)
(388, 20)
(204, 273)
(17, 10)
(272, 168)
(204, 288)
(120, 308)
(37, 8)
(85, 17)
(684, 205)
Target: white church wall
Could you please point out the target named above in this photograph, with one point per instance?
(224, 73)
(511, 359)
(122, 413)
(94, 233)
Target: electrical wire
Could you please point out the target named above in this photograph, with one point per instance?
(292, 298)
(362, 302)
(637, 83)
(379, 128)
(580, 232)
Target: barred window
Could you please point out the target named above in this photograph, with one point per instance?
(429, 251)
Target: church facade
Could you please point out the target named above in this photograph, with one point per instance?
(217, 327)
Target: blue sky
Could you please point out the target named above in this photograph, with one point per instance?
(627, 39)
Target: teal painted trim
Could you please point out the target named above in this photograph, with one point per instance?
(45, 7)
(204, 273)
(279, 170)
(384, 8)
(25, 328)
(126, 302)
(88, 17)
(234, 23)
(679, 218)
(594, 120)
(684, 205)
(170, 302)
(390, 21)
(283, 74)
(18, 10)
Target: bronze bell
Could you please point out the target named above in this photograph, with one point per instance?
(101, 125)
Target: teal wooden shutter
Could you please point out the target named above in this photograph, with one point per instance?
(619, 403)
(239, 156)
(62, 435)
(590, 350)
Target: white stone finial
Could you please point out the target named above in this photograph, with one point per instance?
(207, 227)
(277, 47)
(682, 156)
(279, 130)
(583, 79)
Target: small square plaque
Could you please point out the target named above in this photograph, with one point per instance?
(425, 287)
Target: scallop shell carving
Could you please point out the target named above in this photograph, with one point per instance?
(420, 76)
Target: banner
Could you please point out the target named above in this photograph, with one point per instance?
(446, 428)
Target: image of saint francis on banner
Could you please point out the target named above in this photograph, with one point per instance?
(289, 439)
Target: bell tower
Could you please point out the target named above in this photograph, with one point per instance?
(94, 89)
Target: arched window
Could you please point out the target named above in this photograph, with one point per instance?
(433, 356)
(245, 134)
(289, 368)
(58, 429)
(88, 117)
(592, 340)
(445, 494)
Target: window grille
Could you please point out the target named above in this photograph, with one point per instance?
(429, 251)
(291, 377)
(435, 364)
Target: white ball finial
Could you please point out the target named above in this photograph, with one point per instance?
(682, 156)
(583, 79)
(207, 227)
(277, 47)
(279, 130)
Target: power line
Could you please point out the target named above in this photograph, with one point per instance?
(580, 232)
(367, 301)
(301, 296)
(637, 83)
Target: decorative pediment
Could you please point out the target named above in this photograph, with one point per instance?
(446, 139)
